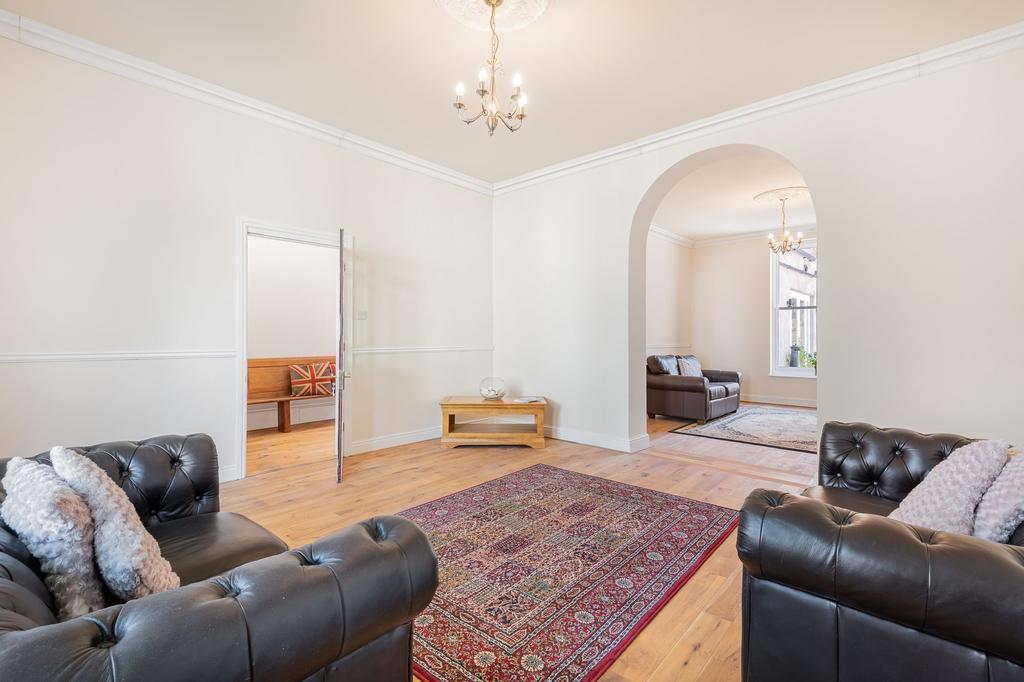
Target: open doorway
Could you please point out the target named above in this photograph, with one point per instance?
(293, 295)
(731, 335)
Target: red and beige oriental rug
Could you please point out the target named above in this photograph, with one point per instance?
(548, 574)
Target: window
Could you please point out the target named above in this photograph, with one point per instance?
(795, 312)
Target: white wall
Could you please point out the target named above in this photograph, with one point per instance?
(291, 310)
(901, 174)
(669, 294)
(731, 319)
(118, 210)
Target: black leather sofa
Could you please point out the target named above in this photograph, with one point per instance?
(833, 590)
(340, 608)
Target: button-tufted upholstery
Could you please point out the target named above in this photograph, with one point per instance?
(887, 463)
(833, 590)
(167, 477)
(339, 608)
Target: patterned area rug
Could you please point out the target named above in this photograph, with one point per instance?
(776, 427)
(547, 574)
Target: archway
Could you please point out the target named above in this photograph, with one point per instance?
(637, 275)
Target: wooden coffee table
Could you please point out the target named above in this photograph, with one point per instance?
(475, 407)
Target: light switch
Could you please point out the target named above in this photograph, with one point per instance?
(361, 315)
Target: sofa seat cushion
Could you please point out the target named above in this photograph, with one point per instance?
(717, 391)
(203, 546)
(852, 500)
(731, 387)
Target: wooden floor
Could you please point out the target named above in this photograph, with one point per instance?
(269, 449)
(696, 636)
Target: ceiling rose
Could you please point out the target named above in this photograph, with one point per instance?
(511, 15)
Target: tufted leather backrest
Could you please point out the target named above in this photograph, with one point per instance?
(888, 463)
(167, 477)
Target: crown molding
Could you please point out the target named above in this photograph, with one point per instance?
(9, 24)
(808, 231)
(46, 38)
(43, 37)
(930, 61)
(671, 236)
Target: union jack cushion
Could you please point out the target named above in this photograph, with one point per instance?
(315, 379)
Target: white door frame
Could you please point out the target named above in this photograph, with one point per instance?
(248, 227)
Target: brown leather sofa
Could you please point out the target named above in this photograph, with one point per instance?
(677, 386)
(340, 608)
(833, 590)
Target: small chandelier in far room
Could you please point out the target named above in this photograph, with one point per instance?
(491, 110)
(786, 241)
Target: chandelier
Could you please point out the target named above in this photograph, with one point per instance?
(786, 241)
(487, 88)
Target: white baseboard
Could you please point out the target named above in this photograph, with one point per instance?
(779, 400)
(638, 443)
(229, 473)
(393, 440)
(634, 444)
(601, 440)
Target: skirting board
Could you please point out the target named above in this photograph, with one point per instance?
(393, 440)
(778, 400)
(600, 440)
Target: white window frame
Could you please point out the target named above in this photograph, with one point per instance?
(773, 367)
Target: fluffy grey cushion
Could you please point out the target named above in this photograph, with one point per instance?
(128, 556)
(948, 495)
(1001, 509)
(57, 528)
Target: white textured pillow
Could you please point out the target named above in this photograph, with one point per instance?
(56, 527)
(128, 556)
(1001, 509)
(948, 495)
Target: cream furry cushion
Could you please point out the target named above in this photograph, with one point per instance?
(56, 527)
(128, 556)
(948, 495)
(1001, 509)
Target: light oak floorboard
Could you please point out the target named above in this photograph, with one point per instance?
(269, 449)
(291, 490)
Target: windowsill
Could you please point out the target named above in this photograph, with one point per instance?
(791, 375)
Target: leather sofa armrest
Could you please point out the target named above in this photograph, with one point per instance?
(674, 382)
(952, 586)
(283, 617)
(723, 375)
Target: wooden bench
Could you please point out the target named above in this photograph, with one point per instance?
(270, 382)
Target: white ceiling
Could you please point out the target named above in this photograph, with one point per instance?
(717, 199)
(598, 72)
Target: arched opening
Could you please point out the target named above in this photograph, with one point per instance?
(767, 366)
